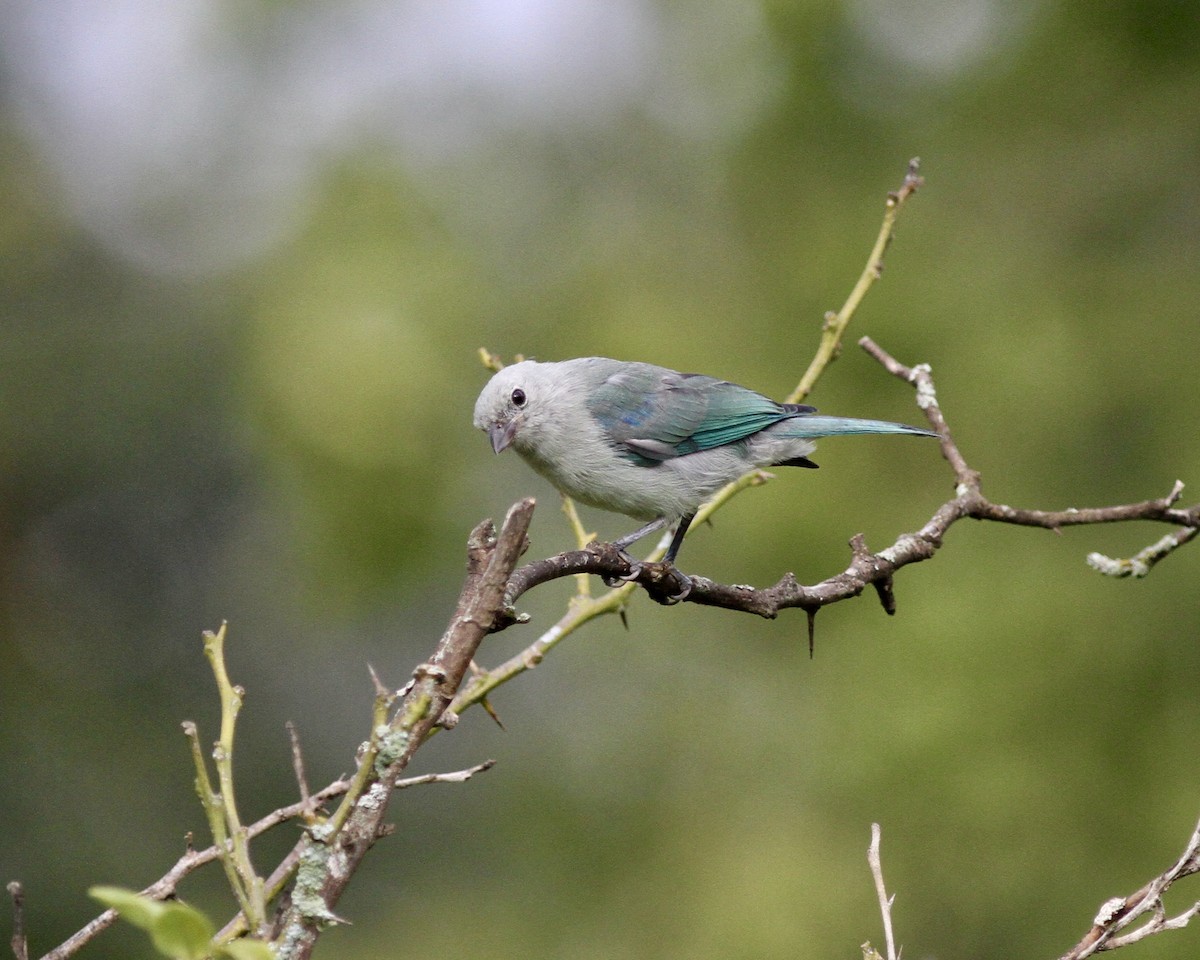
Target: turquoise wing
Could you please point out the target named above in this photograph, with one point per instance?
(655, 414)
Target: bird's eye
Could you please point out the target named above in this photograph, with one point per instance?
(518, 397)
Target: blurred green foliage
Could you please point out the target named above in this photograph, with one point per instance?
(245, 263)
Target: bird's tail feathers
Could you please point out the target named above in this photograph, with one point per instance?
(818, 426)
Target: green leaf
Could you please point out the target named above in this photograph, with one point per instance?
(247, 950)
(137, 909)
(183, 932)
(177, 930)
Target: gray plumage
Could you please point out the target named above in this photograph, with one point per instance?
(646, 441)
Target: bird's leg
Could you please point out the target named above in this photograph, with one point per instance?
(631, 538)
(669, 559)
(628, 540)
(635, 566)
(677, 540)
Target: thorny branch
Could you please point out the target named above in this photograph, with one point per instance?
(487, 604)
(333, 848)
(865, 568)
(332, 857)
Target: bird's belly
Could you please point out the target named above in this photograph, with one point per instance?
(670, 489)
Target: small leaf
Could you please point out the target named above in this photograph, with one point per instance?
(182, 932)
(179, 931)
(247, 950)
(137, 909)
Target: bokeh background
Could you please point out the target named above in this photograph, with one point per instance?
(248, 252)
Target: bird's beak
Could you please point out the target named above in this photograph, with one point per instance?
(502, 434)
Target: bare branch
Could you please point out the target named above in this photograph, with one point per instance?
(885, 902)
(19, 943)
(298, 768)
(192, 860)
(333, 859)
(458, 776)
(1120, 913)
(1140, 563)
(835, 324)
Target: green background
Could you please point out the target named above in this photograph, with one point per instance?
(247, 254)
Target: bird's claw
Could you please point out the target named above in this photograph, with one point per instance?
(685, 591)
(635, 571)
(667, 585)
(616, 579)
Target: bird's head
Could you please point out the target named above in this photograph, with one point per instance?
(508, 402)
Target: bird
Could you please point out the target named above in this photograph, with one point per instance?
(646, 441)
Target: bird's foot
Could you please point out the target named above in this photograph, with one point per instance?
(663, 580)
(666, 584)
(618, 579)
(610, 554)
(634, 572)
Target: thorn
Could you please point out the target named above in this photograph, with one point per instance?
(380, 689)
(811, 613)
(491, 712)
(624, 619)
(886, 595)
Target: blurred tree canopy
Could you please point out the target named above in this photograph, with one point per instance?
(247, 254)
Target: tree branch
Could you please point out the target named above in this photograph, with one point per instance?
(327, 857)
(18, 941)
(1114, 916)
(885, 902)
(328, 863)
(835, 323)
(865, 568)
(192, 860)
(487, 603)
(1122, 912)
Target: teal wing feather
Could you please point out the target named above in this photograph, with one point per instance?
(654, 414)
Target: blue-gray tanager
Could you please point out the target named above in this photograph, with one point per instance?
(646, 441)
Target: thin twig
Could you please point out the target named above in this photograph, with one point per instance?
(458, 776)
(19, 942)
(298, 769)
(836, 323)
(885, 902)
(1140, 564)
(244, 880)
(287, 867)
